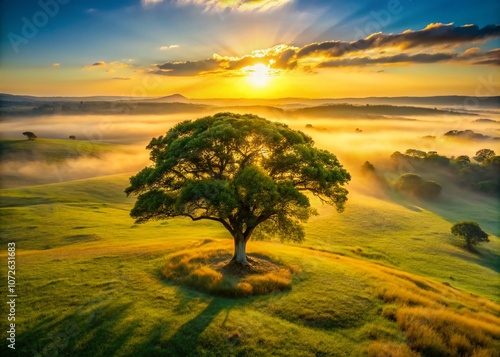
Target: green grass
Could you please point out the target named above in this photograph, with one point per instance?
(89, 281)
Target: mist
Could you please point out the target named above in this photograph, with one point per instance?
(353, 141)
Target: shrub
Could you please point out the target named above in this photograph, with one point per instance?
(428, 190)
(409, 182)
(204, 278)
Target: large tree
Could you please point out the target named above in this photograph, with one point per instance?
(247, 173)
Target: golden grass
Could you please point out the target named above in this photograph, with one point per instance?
(441, 332)
(436, 318)
(203, 269)
(390, 349)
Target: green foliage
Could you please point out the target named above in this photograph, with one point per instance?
(409, 182)
(483, 155)
(415, 184)
(428, 190)
(471, 232)
(239, 170)
(483, 177)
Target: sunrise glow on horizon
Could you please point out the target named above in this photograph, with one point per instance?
(243, 49)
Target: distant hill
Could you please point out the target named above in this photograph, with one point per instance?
(28, 98)
(452, 101)
(485, 120)
(174, 98)
(456, 102)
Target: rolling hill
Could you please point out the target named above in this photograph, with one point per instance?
(382, 277)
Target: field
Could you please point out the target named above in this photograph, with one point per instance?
(384, 278)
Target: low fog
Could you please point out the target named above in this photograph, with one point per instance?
(354, 141)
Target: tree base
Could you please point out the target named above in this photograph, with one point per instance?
(219, 275)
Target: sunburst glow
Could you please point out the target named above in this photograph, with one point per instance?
(258, 75)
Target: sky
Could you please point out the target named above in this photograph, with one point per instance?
(250, 48)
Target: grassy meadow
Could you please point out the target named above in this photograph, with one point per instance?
(384, 278)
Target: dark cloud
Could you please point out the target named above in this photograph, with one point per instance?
(188, 68)
(400, 58)
(433, 35)
(436, 39)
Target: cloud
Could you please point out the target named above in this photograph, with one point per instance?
(483, 58)
(96, 65)
(111, 66)
(150, 2)
(236, 5)
(279, 57)
(188, 68)
(444, 36)
(395, 59)
(123, 78)
(56, 64)
(168, 47)
(435, 43)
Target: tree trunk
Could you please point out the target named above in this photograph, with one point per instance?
(240, 246)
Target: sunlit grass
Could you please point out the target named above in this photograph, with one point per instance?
(359, 282)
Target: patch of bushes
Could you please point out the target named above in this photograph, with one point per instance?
(480, 173)
(415, 184)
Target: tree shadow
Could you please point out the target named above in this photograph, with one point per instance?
(486, 258)
(92, 330)
(183, 342)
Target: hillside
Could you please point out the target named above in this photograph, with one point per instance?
(362, 276)
(52, 150)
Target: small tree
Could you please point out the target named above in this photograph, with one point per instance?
(72, 137)
(483, 155)
(245, 172)
(471, 232)
(367, 168)
(30, 135)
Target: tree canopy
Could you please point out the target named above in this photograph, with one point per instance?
(243, 171)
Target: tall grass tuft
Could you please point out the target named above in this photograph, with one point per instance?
(196, 269)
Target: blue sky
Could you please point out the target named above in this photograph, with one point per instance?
(139, 35)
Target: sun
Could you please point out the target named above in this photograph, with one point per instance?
(258, 75)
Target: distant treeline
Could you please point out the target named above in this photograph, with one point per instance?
(351, 110)
(116, 107)
(480, 173)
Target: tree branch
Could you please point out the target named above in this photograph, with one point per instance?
(220, 220)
